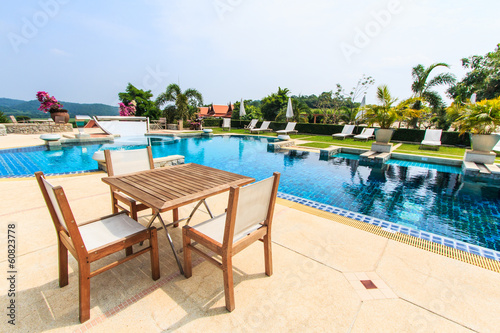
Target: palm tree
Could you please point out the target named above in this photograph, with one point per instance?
(385, 114)
(422, 87)
(186, 103)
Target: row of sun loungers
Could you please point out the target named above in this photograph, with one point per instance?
(432, 137)
(264, 127)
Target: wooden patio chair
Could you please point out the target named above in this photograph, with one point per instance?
(119, 162)
(248, 218)
(94, 240)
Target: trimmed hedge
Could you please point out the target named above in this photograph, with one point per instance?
(212, 122)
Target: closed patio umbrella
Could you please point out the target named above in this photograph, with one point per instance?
(242, 108)
(473, 98)
(360, 114)
(289, 110)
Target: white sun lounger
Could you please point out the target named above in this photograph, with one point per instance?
(264, 127)
(346, 131)
(366, 134)
(432, 138)
(251, 125)
(226, 124)
(290, 128)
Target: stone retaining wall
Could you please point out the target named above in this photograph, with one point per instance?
(37, 128)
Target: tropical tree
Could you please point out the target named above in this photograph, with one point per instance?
(422, 89)
(480, 118)
(384, 114)
(272, 104)
(3, 118)
(325, 104)
(483, 77)
(145, 107)
(252, 110)
(185, 103)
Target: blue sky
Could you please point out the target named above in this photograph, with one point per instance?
(88, 51)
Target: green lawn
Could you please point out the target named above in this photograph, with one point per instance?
(325, 141)
(319, 145)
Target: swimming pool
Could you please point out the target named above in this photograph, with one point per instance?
(423, 198)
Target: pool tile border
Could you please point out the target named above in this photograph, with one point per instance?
(394, 228)
(51, 174)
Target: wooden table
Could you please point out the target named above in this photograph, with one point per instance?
(169, 188)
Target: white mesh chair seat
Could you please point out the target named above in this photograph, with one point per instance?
(263, 127)
(346, 131)
(432, 137)
(290, 127)
(108, 230)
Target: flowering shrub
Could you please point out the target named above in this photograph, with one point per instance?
(127, 110)
(47, 102)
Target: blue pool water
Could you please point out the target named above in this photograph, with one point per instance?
(425, 197)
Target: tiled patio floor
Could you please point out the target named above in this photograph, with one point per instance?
(318, 266)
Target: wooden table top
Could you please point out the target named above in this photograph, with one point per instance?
(171, 187)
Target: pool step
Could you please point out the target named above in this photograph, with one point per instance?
(375, 157)
(493, 168)
(481, 172)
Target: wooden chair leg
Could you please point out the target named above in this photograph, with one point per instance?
(268, 255)
(114, 203)
(227, 271)
(186, 241)
(84, 290)
(63, 264)
(129, 251)
(155, 257)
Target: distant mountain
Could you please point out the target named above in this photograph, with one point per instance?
(10, 102)
(30, 108)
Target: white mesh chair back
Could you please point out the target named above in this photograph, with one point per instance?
(226, 122)
(253, 122)
(290, 126)
(367, 131)
(348, 129)
(55, 204)
(127, 161)
(265, 125)
(433, 134)
(253, 205)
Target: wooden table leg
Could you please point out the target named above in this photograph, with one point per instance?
(175, 213)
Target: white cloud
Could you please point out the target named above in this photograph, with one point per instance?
(60, 53)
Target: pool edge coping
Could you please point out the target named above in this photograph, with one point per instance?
(465, 252)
